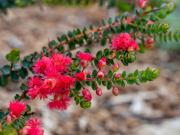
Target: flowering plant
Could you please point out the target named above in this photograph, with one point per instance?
(61, 76)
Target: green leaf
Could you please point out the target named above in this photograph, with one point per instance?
(61, 48)
(78, 86)
(109, 85)
(99, 55)
(123, 75)
(110, 74)
(142, 48)
(118, 55)
(120, 83)
(93, 85)
(28, 108)
(13, 56)
(103, 41)
(104, 83)
(6, 70)
(3, 80)
(52, 44)
(94, 74)
(24, 87)
(14, 75)
(78, 99)
(23, 73)
(17, 97)
(106, 52)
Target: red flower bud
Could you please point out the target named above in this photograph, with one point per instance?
(81, 76)
(149, 40)
(117, 76)
(87, 95)
(102, 63)
(99, 91)
(142, 3)
(115, 91)
(83, 63)
(100, 74)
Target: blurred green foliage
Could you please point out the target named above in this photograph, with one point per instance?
(121, 5)
(173, 20)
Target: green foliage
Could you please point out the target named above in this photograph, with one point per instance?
(85, 104)
(5, 4)
(170, 36)
(13, 56)
(9, 131)
(137, 77)
(87, 37)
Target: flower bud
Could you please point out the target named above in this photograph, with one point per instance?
(102, 63)
(149, 42)
(80, 76)
(9, 119)
(117, 76)
(115, 91)
(83, 63)
(115, 67)
(100, 74)
(142, 3)
(87, 95)
(99, 91)
(131, 57)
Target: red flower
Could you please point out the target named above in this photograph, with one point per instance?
(142, 3)
(65, 83)
(33, 127)
(133, 44)
(81, 76)
(42, 65)
(35, 82)
(123, 42)
(16, 108)
(85, 56)
(87, 95)
(39, 87)
(102, 63)
(61, 62)
(60, 103)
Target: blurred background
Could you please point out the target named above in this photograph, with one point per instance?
(148, 109)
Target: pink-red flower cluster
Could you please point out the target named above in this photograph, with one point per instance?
(51, 80)
(124, 42)
(85, 58)
(32, 127)
(16, 108)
